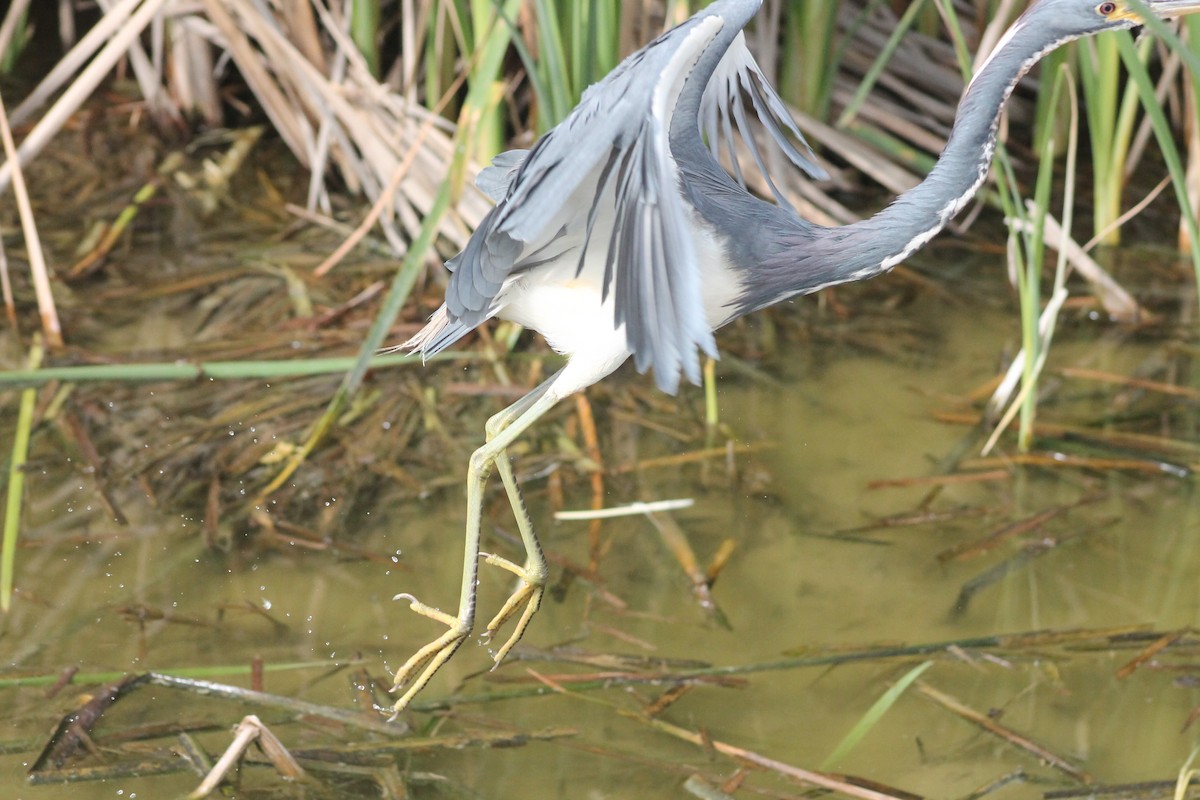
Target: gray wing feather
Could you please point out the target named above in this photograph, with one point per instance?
(723, 106)
(495, 180)
(614, 143)
(480, 271)
(658, 299)
(532, 210)
(614, 147)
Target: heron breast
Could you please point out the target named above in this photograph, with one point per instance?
(570, 314)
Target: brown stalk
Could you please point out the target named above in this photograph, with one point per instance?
(968, 550)
(837, 783)
(1007, 734)
(51, 327)
(591, 443)
(1150, 652)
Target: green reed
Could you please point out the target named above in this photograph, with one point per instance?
(910, 16)
(1165, 136)
(15, 500)
(874, 714)
(1163, 131)
(1027, 253)
(10, 54)
(1110, 127)
(578, 42)
(364, 31)
(807, 71)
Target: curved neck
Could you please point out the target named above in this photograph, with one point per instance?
(918, 215)
(793, 257)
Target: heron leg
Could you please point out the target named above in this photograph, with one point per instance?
(532, 574)
(503, 429)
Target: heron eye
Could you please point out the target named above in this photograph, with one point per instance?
(1106, 9)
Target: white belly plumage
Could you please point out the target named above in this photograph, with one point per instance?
(571, 312)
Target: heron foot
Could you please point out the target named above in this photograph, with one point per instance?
(424, 663)
(527, 598)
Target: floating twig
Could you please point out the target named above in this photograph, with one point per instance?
(249, 731)
(357, 719)
(942, 480)
(1031, 551)
(964, 551)
(74, 730)
(838, 783)
(1003, 732)
(677, 542)
(630, 510)
(1150, 652)
(1100, 376)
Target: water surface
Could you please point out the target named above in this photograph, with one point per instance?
(812, 572)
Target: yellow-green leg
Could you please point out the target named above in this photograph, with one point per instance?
(502, 430)
(532, 574)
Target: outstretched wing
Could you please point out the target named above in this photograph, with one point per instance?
(613, 153)
(723, 108)
(605, 178)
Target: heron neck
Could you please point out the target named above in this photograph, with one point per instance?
(792, 257)
(916, 216)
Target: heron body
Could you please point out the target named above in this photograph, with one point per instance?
(620, 234)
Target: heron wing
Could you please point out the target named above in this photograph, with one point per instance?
(533, 208)
(723, 108)
(652, 267)
(612, 152)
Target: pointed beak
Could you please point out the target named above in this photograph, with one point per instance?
(1169, 9)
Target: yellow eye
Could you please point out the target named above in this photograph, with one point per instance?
(1106, 9)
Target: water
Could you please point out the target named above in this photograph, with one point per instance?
(809, 575)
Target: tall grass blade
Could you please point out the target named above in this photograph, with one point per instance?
(16, 484)
(807, 71)
(1166, 141)
(1192, 132)
(213, 370)
(557, 97)
(1031, 289)
(879, 64)
(14, 34)
(364, 30)
(1186, 773)
(1100, 76)
(875, 713)
(1037, 326)
(1048, 119)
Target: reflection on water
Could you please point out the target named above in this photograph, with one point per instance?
(812, 571)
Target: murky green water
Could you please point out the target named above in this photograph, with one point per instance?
(806, 575)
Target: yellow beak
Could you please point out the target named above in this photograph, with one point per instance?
(1164, 9)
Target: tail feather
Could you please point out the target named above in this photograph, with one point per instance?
(438, 334)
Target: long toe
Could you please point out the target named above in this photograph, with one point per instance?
(424, 664)
(527, 598)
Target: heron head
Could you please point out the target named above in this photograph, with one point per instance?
(1075, 18)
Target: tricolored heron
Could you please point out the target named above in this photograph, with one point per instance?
(619, 234)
